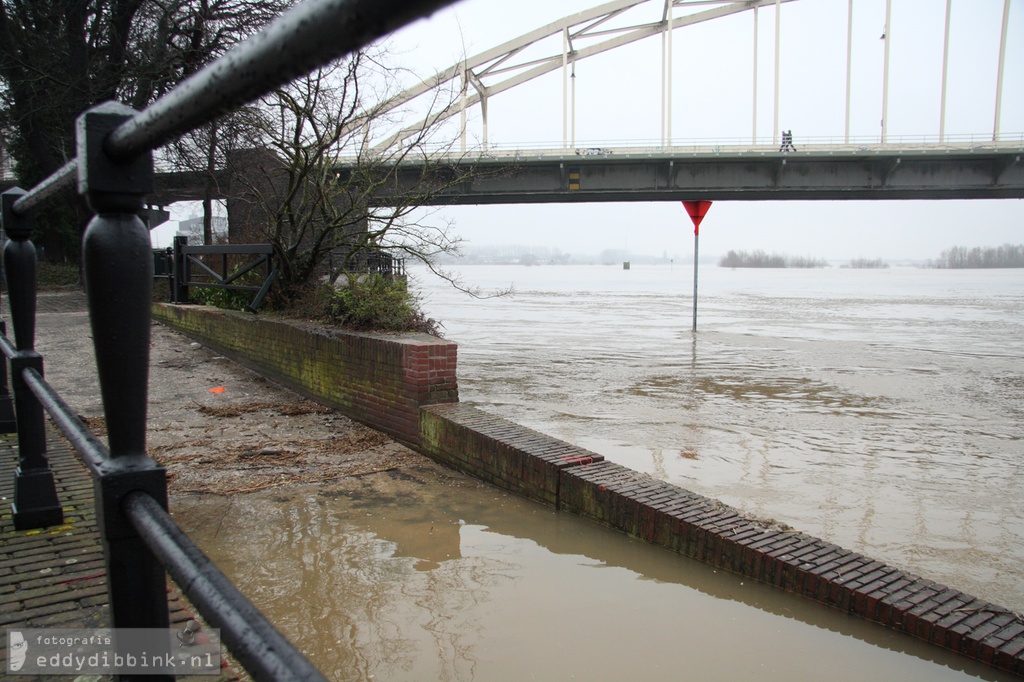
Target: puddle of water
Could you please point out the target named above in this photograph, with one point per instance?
(428, 575)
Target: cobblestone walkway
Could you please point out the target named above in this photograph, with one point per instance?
(52, 577)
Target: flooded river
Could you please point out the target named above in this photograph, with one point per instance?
(880, 410)
(428, 575)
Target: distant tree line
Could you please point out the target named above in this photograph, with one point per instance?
(867, 264)
(961, 257)
(761, 259)
(503, 254)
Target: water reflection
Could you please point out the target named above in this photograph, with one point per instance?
(429, 575)
(416, 531)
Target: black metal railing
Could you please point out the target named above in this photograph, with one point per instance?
(225, 266)
(113, 170)
(369, 261)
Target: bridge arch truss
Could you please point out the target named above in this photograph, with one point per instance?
(616, 24)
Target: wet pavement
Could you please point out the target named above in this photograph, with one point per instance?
(216, 426)
(248, 434)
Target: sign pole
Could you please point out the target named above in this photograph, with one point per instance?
(696, 238)
(696, 210)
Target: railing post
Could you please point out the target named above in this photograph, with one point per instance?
(119, 284)
(35, 492)
(8, 424)
(179, 281)
(168, 266)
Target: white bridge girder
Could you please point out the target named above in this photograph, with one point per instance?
(584, 34)
(589, 33)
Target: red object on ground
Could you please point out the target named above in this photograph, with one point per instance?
(697, 210)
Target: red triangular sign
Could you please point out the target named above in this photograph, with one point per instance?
(697, 210)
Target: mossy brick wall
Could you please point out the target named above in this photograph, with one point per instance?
(380, 380)
(581, 482)
(498, 451)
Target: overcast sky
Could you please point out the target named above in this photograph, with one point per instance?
(618, 97)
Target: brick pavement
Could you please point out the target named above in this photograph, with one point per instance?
(52, 577)
(56, 576)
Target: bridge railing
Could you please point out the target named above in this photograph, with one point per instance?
(366, 261)
(727, 145)
(113, 170)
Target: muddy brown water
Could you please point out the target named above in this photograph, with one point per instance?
(882, 410)
(424, 574)
(428, 575)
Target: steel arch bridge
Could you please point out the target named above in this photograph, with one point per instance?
(933, 166)
(936, 165)
(560, 45)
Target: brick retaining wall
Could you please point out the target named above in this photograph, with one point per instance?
(406, 386)
(498, 451)
(380, 380)
(581, 482)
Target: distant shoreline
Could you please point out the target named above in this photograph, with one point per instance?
(954, 258)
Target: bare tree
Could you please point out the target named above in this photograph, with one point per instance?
(311, 183)
(204, 153)
(199, 152)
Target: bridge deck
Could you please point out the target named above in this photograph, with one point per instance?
(701, 170)
(733, 173)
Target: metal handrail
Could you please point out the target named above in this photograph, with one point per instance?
(1005, 141)
(251, 638)
(182, 257)
(82, 439)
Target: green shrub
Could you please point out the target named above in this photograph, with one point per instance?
(56, 274)
(363, 303)
(377, 303)
(229, 299)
